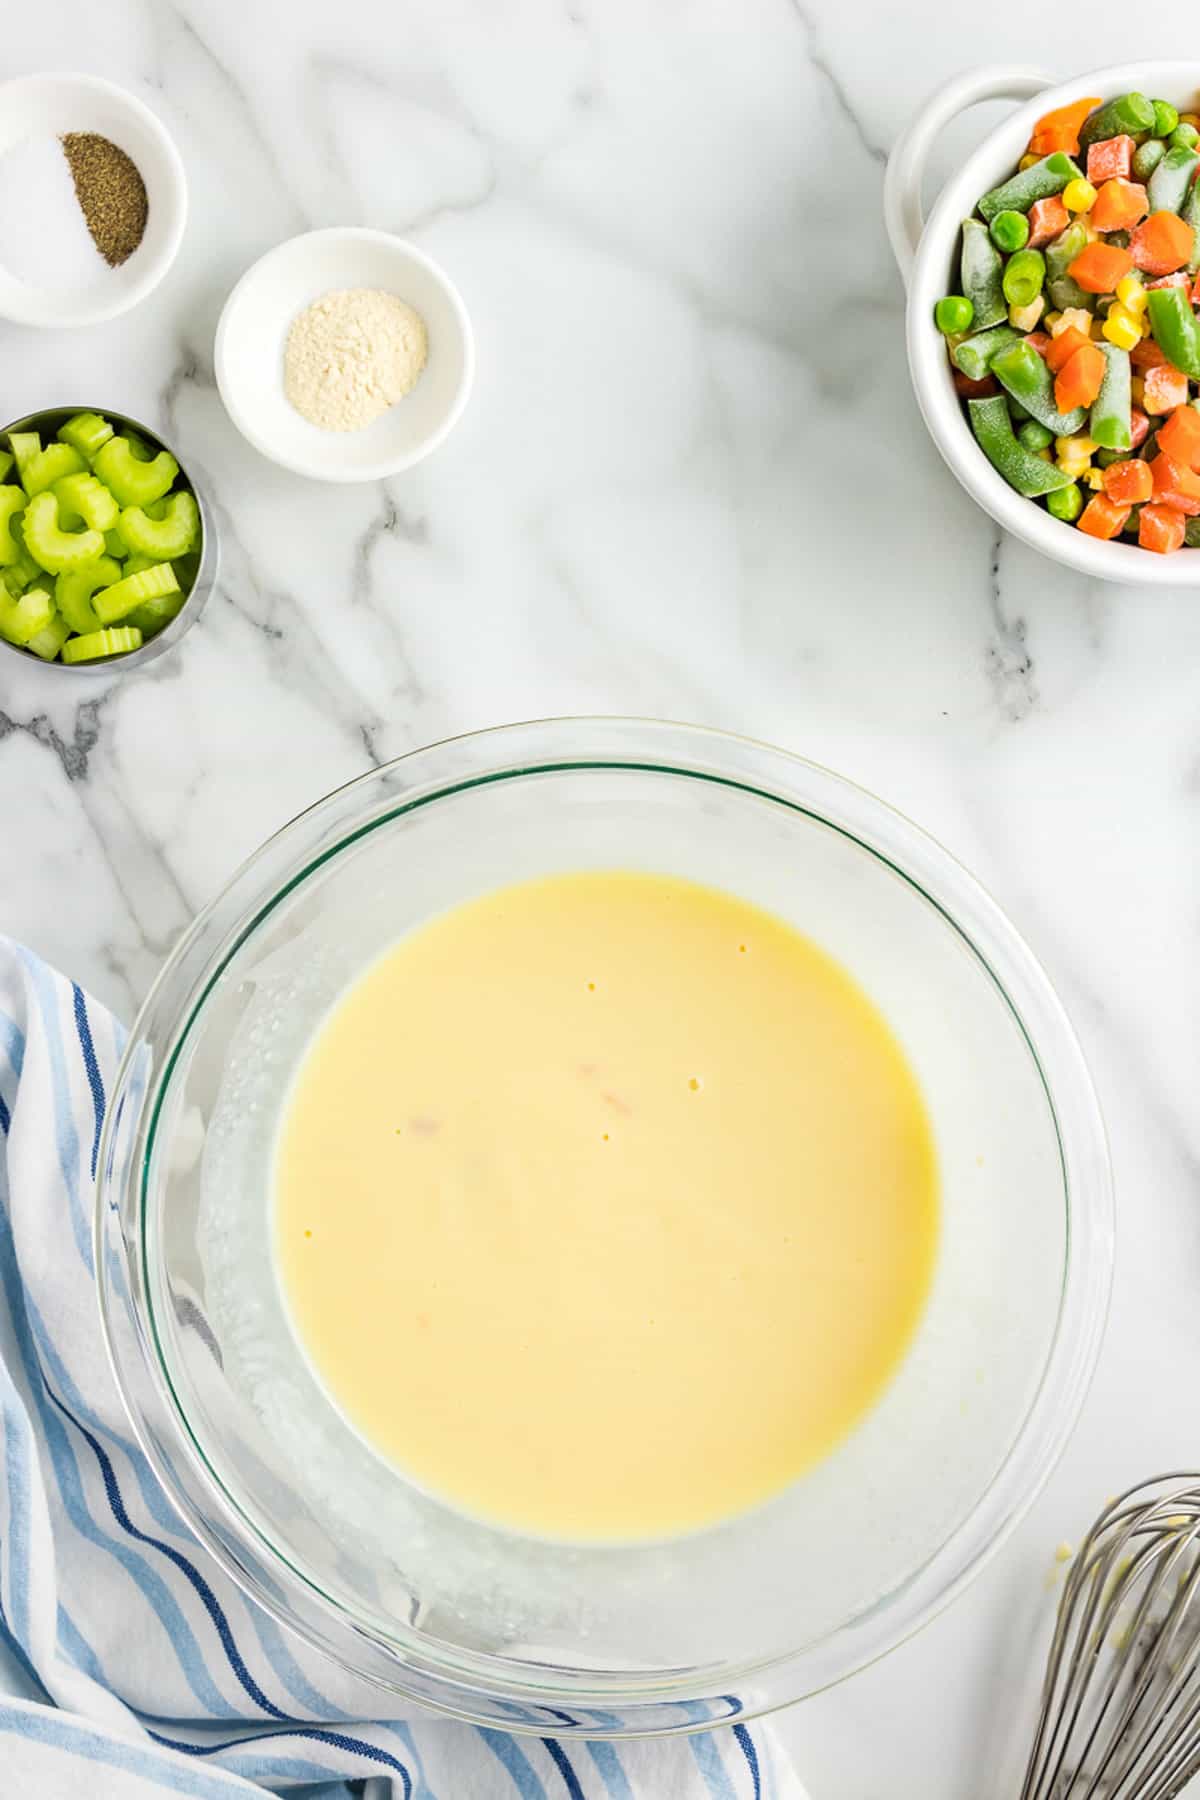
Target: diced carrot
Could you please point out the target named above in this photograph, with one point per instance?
(975, 390)
(1059, 130)
(1180, 437)
(1129, 483)
(1147, 355)
(1102, 517)
(1047, 218)
(1062, 348)
(1160, 245)
(1119, 205)
(1161, 528)
(1140, 427)
(1110, 159)
(1180, 278)
(1078, 382)
(1099, 267)
(1174, 485)
(1163, 389)
(1039, 341)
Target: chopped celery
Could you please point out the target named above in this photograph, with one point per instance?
(153, 615)
(51, 546)
(50, 639)
(102, 643)
(25, 446)
(25, 569)
(131, 481)
(172, 535)
(149, 584)
(6, 463)
(74, 589)
(49, 466)
(114, 542)
(81, 496)
(133, 565)
(12, 502)
(22, 618)
(85, 433)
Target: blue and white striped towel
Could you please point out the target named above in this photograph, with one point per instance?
(129, 1664)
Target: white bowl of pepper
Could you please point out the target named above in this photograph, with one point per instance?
(93, 200)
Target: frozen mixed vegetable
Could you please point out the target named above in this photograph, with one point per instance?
(1075, 338)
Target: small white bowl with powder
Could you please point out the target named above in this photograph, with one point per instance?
(345, 354)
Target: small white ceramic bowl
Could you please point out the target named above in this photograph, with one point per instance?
(53, 104)
(928, 257)
(252, 332)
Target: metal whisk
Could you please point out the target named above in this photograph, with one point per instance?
(1120, 1716)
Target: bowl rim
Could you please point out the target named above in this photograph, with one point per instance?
(942, 409)
(198, 594)
(314, 468)
(67, 315)
(466, 1684)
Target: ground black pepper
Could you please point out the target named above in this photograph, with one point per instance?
(111, 193)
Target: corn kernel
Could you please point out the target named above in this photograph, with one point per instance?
(1051, 320)
(1079, 195)
(1075, 449)
(1028, 160)
(1025, 318)
(1132, 294)
(1137, 388)
(1145, 324)
(1121, 328)
(1094, 479)
(1077, 316)
(1190, 119)
(1044, 455)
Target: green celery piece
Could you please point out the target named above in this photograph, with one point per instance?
(97, 644)
(51, 546)
(114, 543)
(22, 619)
(134, 564)
(131, 481)
(25, 446)
(81, 496)
(74, 588)
(6, 462)
(153, 615)
(163, 539)
(49, 466)
(114, 602)
(85, 433)
(50, 639)
(25, 569)
(12, 502)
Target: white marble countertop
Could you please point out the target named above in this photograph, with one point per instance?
(693, 483)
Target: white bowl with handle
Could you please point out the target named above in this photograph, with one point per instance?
(927, 251)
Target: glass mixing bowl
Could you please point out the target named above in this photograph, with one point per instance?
(536, 1636)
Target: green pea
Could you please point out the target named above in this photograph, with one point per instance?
(1184, 137)
(1166, 118)
(953, 314)
(1035, 436)
(1023, 276)
(1065, 503)
(1147, 157)
(1010, 231)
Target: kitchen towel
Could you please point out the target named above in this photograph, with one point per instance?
(129, 1664)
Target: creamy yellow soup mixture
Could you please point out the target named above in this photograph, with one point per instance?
(606, 1205)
